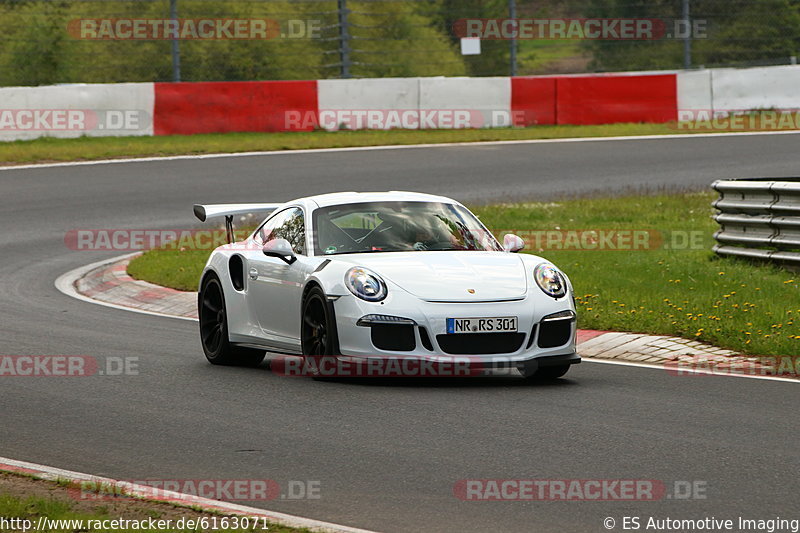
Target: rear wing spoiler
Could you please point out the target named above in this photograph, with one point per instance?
(204, 212)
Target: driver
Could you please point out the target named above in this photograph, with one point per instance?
(426, 237)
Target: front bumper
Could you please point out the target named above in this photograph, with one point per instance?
(430, 320)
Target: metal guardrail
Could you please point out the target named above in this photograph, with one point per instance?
(759, 219)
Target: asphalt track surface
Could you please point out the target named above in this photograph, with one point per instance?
(386, 454)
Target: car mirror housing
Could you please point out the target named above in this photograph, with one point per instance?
(512, 243)
(281, 249)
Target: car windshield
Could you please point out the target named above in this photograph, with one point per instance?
(398, 227)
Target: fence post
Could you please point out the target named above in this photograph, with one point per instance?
(512, 14)
(344, 39)
(687, 41)
(176, 54)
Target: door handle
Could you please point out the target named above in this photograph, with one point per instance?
(253, 273)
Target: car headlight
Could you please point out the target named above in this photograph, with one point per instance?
(365, 284)
(550, 280)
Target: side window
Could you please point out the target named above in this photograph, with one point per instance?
(265, 231)
(293, 230)
(289, 225)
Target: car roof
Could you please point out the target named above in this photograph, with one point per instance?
(339, 198)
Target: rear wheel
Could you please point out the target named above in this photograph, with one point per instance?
(318, 332)
(214, 329)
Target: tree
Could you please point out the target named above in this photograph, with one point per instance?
(494, 57)
(392, 39)
(739, 32)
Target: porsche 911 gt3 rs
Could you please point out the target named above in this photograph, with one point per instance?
(376, 275)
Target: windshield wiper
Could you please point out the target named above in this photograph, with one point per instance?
(367, 252)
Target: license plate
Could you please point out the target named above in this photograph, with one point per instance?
(482, 325)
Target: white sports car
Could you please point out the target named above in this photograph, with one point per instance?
(359, 276)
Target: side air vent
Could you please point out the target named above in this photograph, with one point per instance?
(236, 270)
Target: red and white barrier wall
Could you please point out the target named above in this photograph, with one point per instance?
(113, 109)
(387, 103)
(594, 99)
(210, 107)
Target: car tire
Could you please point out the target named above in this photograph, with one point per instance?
(318, 336)
(550, 372)
(213, 317)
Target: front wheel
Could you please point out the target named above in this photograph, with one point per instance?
(318, 333)
(214, 329)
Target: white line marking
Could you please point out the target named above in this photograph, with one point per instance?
(66, 284)
(393, 147)
(53, 474)
(704, 373)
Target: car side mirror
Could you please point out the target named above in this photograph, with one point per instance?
(513, 243)
(281, 249)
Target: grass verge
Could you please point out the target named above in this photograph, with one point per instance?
(179, 269)
(660, 279)
(48, 149)
(27, 502)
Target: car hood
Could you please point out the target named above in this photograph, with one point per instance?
(449, 276)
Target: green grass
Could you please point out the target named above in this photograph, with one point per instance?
(31, 508)
(92, 148)
(27, 498)
(667, 290)
(172, 268)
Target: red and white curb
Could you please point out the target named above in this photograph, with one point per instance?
(108, 283)
(187, 500)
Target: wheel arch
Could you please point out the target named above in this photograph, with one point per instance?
(208, 273)
(312, 283)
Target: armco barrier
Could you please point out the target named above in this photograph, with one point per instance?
(759, 219)
(616, 98)
(210, 107)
